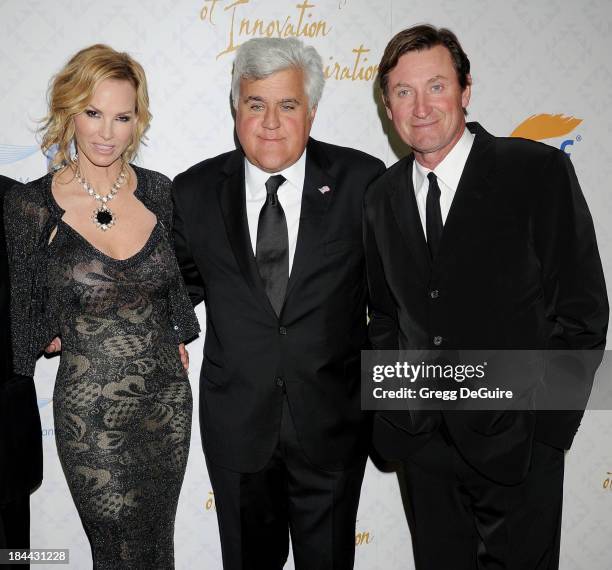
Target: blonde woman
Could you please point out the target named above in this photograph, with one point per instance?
(93, 272)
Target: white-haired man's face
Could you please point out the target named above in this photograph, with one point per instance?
(273, 119)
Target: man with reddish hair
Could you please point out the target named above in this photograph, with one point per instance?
(476, 242)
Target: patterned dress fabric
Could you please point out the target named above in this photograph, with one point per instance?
(122, 401)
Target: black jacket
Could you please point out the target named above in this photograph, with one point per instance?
(251, 356)
(20, 430)
(518, 268)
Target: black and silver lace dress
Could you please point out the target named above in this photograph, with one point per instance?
(122, 401)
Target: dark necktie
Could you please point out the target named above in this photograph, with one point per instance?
(273, 245)
(433, 216)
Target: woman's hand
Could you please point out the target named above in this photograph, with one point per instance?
(184, 356)
(54, 346)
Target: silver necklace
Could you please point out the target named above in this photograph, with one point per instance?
(103, 216)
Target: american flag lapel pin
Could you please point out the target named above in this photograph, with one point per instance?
(324, 189)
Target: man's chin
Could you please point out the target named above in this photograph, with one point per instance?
(273, 165)
(425, 145)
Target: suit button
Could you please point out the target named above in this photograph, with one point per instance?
(280, 382)
(282, 330)
(434, 294)
(437, 340)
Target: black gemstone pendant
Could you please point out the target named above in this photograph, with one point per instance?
(104, 217)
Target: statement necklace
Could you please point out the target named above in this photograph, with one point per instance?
(103, 216)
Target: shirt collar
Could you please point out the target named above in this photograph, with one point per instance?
(256, 178)
(450, 169)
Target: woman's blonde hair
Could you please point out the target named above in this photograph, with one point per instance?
(72, 88)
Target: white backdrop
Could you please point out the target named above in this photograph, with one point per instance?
(528, 58)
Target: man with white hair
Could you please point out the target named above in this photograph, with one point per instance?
(269, 236)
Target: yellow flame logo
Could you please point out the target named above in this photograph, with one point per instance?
(545, 126)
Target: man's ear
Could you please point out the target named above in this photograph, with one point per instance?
(387, 108)
(467, 92)
(312, 113)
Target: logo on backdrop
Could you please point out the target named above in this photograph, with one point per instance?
(210, 504)
(302, 21)
(42, 402)
(545, 126)
(362, 538)
(10, 153)
(607, 483)
(14, 153)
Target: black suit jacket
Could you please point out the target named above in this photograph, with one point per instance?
(20, 431)
(312, 350)
(518, 268)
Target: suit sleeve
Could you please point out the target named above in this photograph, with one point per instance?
(191, 274)
(572, 274)
(383, 328)
(6, 364)
(575, 294)
(26, 229)
(182, 316)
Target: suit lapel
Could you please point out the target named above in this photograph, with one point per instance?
(473, 186)
(314, 207)
(406, 214)
(232, 199)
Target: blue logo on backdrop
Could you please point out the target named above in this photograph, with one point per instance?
(546, 126)
(42, 402)
(46, 431)
(50, 154)
(10, 153)
(13, 153)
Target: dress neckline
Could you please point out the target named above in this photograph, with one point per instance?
(143, 252)
(140, 193)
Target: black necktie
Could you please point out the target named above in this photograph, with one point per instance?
(273, 245)
(433, 216)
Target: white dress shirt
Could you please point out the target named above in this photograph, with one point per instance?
(289, 196)
(448, 173)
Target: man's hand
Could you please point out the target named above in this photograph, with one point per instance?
(184, 356)
(54, 346)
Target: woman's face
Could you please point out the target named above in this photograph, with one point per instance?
(106, 127)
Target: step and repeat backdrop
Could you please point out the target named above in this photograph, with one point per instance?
(540, 70)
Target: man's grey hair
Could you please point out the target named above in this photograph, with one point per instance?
(259, 58)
